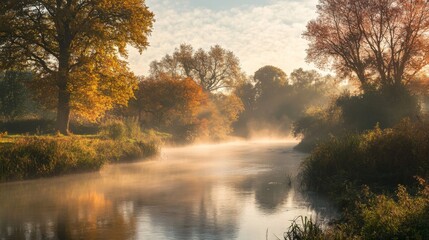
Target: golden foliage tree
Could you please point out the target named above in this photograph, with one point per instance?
(169, 103)
(378, 42)
(75, 47)
(219, 115)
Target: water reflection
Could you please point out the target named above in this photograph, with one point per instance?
(226, 191)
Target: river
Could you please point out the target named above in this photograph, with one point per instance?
(239, 190)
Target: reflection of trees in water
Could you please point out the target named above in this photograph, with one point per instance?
(75, 216)
(271, 189)
(325, 210)
(190, 208)
(191, 200)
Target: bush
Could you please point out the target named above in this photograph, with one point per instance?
(114, 129)
(373, 217)
(317, 126)
(401, 217)
(385, 107)
(381, 159)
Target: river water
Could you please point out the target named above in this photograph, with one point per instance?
(241, 190)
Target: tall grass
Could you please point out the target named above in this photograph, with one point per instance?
(346, 168)
(303, 228)
(34, 157)
(374, 217)
(376, 158)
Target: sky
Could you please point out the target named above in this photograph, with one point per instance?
(259, 32)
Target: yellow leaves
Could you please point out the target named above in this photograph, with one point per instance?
(100, 85)
(127, 21)
(82, 38)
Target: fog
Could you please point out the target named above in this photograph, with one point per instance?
(234, 190)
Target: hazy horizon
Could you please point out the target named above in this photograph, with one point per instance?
(259, 32)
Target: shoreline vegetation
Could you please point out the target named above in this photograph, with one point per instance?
(370, 145)
(377, 179)
(25, 157)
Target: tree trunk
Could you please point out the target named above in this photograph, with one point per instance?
(62, 23)
(63, 108)
(63, 111)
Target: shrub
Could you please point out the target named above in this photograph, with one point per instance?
(133, 128)
(401, 217)
(318, 125)
(377, 158)
(114, 129)
(373, 217)
(384, 107)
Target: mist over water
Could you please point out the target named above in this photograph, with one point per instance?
(233, 190)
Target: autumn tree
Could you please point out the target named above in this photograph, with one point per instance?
(217, 118)
(214, 70)
(75, 49)
(170, 104)
(379, 42)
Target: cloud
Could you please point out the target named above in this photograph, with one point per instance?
(259, 35)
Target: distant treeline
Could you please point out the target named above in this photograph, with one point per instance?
(191, 95)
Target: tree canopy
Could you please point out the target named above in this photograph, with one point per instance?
(75, 49)
(167, 101)
(213, 70)
(378, 42)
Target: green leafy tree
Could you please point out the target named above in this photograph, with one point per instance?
(74, 49)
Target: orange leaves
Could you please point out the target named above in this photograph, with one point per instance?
(378, 42)
(167, 100)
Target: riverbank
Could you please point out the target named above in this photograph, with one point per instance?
(29, 157)
(223, 191)
(378, 180)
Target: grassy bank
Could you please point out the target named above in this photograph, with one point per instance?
(27, 157)
(402, 215)
(372, 178)
(380, 159)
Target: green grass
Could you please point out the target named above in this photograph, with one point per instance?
(27, 157)
(303, 228)
(385, 161)
(378, 158)
(402, 215)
